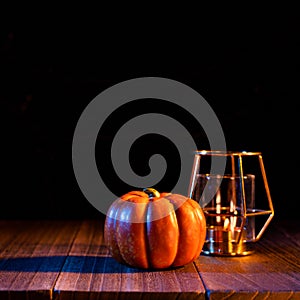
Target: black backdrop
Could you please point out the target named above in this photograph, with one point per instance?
(49, 76)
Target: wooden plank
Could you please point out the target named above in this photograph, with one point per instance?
(67, 260)
(272, 272)
(90, 273)
(32, 259)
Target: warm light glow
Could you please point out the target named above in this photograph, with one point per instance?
(218, 206)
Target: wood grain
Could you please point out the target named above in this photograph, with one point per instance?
(69, 260)
(272, 272)
(32, 256)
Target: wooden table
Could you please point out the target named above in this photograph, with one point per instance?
(68, 260)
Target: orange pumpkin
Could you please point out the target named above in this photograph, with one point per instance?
(146, 229)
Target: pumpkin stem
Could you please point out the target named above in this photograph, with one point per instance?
(151, 192)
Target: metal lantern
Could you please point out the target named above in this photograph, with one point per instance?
(237, 203)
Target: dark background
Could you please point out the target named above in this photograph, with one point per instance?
(248, 73)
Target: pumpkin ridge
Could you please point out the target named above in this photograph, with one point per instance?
(135, 196)
(131, 236)
(162, 251)
(147, 242)
(110, 236)
(202, 221)
(178, 238)
(194, 249)
(117, 224)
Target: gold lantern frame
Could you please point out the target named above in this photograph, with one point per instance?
(236, 166)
